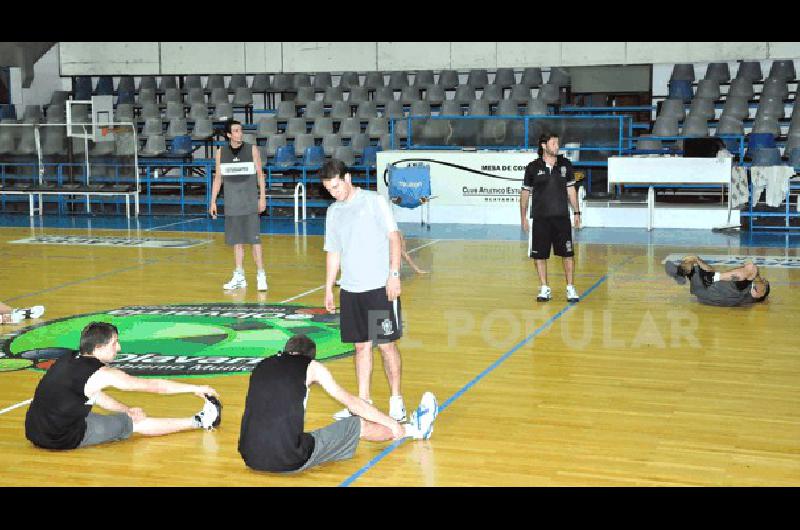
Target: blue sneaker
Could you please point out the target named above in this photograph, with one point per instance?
(422, 418)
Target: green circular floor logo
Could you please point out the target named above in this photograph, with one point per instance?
(184, 340)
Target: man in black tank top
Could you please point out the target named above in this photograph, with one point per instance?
(741, 286)
(238, 164)
(60, 417)
(272, 436)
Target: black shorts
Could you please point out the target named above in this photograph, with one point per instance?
(370, 316)
(551, 231)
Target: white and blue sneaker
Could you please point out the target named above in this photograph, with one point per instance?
(422, 418)
(210, 417)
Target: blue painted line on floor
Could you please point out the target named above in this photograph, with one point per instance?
(397, 443)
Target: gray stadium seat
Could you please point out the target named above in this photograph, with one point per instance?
(771, 106)
(196, 95)
(150, 110)
(718, 72)
(420, 108)
(702, 107)
(766, 124)
(242, 97)
(266, 126)
(394, 109)
(53, 141)
(358, 142)
(219, 95)
(166, 82)
(644, 142)
(729, 125)
(203, 129)
(275, 141)
(286, 110)
(423, 79)
(559, 77)
(707, 88)
(192, 81)
(147, 82)
(736, 106)
(384, 95)
(357, 95)
(695, 125)
(783, 69)
(314, 109)
(775, 86)
(398, 80)
(434, 94)
(465, 94)
(156, 145)
(322, 81)
(349, 127)
(332, 95)
(146, 95)
(536, 107)
(673, 107)
(504, 77)
(520, 93)
(302, 80)
(303, 141)
(322, 126)
(223, 111)
(374, 80)
(126, 84)
(507, 107)
(32, 114)
(346, 154)
(448, 79)
(550, 94)
(532, 77)
(330, 142)
(123, 113)
(237, 81)
(296, 126)
(377, 127)
(349, 80)
(215, 81)
(151, 126)
(665, 126)
(479, 108)
(174, 110)
(492, 93)
(682, 72)
(304, 95)
(367, 109)
(173, 95)
(451, 108)
(750, 70)
(478, 78)
(261, 83)
(198, 111)
(340, 110)
(282, 83)
(409, 94)
(177, 127)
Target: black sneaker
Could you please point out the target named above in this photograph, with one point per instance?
(210, 417)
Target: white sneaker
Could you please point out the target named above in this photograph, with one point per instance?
(210, 417)
(397, 408)
(237, 281)
(572, 294)
(345, 413)
(261, 281)
(544, 294)
(36, 311)
(14, 317)
(422, 418)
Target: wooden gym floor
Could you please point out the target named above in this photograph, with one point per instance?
(637, 385)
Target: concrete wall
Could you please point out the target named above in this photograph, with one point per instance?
(46, 80)
(92, 58)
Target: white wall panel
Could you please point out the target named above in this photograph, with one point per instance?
(108, 58)
(657, 52)
(783, 50)
(592, 53)
(521, 54)
(723, 51)
(329, 56)
(466, 55)
(202, 57)
(413, 55)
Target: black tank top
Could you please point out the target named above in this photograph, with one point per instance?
(271, 436)
(56, 418)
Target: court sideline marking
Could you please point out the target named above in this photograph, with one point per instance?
(23, 403)
(352, 478)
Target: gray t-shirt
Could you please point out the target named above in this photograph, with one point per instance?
(720, 293)
(358, 229)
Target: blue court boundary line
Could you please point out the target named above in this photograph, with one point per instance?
(369, 465)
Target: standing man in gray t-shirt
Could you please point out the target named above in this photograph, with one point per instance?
(361, 236)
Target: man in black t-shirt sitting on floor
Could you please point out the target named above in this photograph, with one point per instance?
(60, 415)
(550, 181)
(272, 436)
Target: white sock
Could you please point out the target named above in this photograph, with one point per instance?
(717, 276)
(261, 272)
(239, 271)
(412, 431)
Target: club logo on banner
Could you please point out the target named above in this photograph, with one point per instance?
(182, 340)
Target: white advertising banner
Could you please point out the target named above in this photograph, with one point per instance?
(479, 187)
